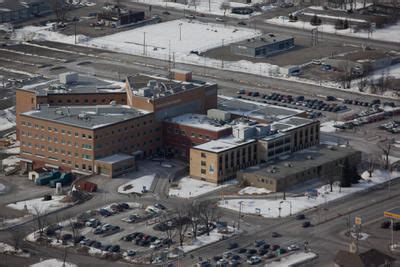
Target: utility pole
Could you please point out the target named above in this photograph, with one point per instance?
(222, 55)
(75, 32)
(144, 43)
(240, 214)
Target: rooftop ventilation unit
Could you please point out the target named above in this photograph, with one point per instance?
(309, 157)
(113, 103)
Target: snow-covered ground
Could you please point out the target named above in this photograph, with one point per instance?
(189, 187)
(293, 259)
(175, 36)
(387, 34)
(327, 127)
(206, 7)
(250, 190)
(270, 207)
(137, 185)
(392, 71)
(347, 6)
(7, 118)
(333, 17)
(53, 263)
(205, 239)
(32, 205)
(8, 249)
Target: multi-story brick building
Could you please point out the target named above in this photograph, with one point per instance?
(57, 130)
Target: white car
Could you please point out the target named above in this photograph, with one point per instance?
(219, 19)
(254, 260)
(152, 209)
(106, 226)
(293, 247)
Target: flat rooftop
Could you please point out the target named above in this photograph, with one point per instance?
(223, 144)
(88, 117)
(251, 109)
(84, 85)
(115, 158)
(198, 121)
(159, 86)
(263, 40)
(302, 160)
(290, 123)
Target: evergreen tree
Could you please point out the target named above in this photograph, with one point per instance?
(346, 175)
(345, 24)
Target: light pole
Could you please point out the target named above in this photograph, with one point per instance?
(180, 31)
(144, 43)
(240, 213)
(222, 56)
(280, 208)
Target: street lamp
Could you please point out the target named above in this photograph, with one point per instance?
(280, 208)
(240, 213)
(180, 31)
(290, 207)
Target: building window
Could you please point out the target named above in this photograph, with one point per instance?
(203, 171)
(203, 155)
(203, 163)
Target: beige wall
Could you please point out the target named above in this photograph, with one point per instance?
(225, 164)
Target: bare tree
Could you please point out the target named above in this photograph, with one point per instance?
(75, 230)
(60, 9)
(17, 236)
(225, 6)
(208, 213)
(371, 165)
(170, 231)
(40, 220)
(386, 147)
(194, 216)
(181, 223)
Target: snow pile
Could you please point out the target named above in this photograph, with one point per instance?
(2, 188)
(8, 249)
(137, 185)
(7, 118)
(250, 190)
(293, 259)
(40, 205)
(333, 17)
(205, 239)
(327, 127)
(53, 263)
(387, 34)
(272, 208)
(189, 187)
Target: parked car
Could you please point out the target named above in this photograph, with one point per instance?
(233, 245)
(254, 260)
(275, 234)
(385, 224)
(293, 247)
(306, 224)
(160, 206)
(130, 253)
(219, 19)
(242, 23)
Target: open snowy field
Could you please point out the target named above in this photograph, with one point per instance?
(293, 259)
(270, 207)
(390, 33)
(137, 185)
(53, 263)
(175, 36)
(38, 204)
(189, 187)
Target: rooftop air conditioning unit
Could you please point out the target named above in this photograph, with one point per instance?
(309, 157)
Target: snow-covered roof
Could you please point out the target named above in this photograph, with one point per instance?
(223, 144)
(198, 121)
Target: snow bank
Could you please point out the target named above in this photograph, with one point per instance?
(205, 239)
(250, 190)
(389, 34)
(42, 206)
(189, 187)
(327, 127)
(53, 263)
(137, 185)
(8, 249)
(293, 259)
(270, 208)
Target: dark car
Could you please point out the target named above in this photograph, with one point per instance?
(104, 213)
(160, 206)
(96, 244)
(251, 251)
(66, 237)
(300, 217)
(241, 250)
(79, 238)
(385, 224)
(306, 224)
(233, 245)
(217, 258)
(106, 247)
(259, 243)
(124, 205)
(265, 246)
(242, 23)
(275, 234)
(114, 248)
(166, 13)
